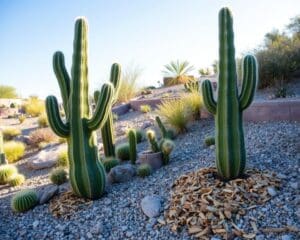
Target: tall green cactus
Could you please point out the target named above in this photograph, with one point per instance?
(107, 131)
(2, 154)
(87, 174)
(132, 145)
(230, 146)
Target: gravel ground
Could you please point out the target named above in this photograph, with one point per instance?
(118, 215)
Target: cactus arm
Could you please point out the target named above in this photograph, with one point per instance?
(115, 74)
(55, 121)
(208, 97)
(102, 107)
(63, 79)
(249, 81)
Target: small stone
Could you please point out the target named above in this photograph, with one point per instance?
(281, 176)
(294, 185)
(286, 237)
(272, 192)
(260, 237)
(151, 206)
(89, 235)
(47, 193)
(35, 224)
(129, 234)
(215, 238)
(146, 124)
(107, 201)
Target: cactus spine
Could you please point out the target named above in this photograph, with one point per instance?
(107, 131)
(230, 146)
(87, 174)
(2, 154)
(132, 146)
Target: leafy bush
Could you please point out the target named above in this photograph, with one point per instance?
(21, 118)
(14, 151)
(109, 163)
(144, 170)
(209, 141)
(58, 176)
(6, 172)
(122, 151)
(10, 133)
(43, 121)
(24, 200)
(63, 158)
(193, 101)
(41, 135)
(175, 113)
(34, 106)
(145, 108)
(16, 180)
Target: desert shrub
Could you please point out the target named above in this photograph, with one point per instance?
(193, 101)
(63, 158)
(209, 141)
(109, 163)
(175, 113)
(34, 106)
(24, 200)
(42, 135)
(21, 118)
(144, 170)
(6, 172)
(14, 150)
(43, 121)
(16, 180)
(10, 133)
(58, 176)
(122, 151)
(145, 108)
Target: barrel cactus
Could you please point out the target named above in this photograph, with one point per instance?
(24, 200)
(6, 172)
(230, 146)
(86, 172)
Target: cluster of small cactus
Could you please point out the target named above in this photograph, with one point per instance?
(152, 141)
(2, 154)
(230, 146)
(110, 162)
(122, 151)
(59, 176)
(9, 175)
(144, 170)
(16, 180)
(166, 133)
(132, 145)
(191, 86)
(24, 200)
(87, 173)
(209, 141)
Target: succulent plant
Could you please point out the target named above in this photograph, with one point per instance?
(132, 145)
(166, 149)
(152, 141)
(16, 180)
(209, 141)
(230, 146)
(2, 154)
(24, 200)
(122, 151)
(87, 174)
(144, 170)
(6, 172)
(166, 133)
(109, 163)
(59, 176)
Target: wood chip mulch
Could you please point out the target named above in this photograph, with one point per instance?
(207, 206)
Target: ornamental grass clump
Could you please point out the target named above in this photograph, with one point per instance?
(6, 172)
(10, 133)
(145, 108)
(14, 151)
(42, 135)
(43, 121)
(193, 101)
(24, 200)
(63, 158)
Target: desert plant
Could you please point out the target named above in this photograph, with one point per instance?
(87, 173)
(132, 145)
(175, 113)
(14, 150)
(193, 101)
(63, 158)
(8, 92)
(16, 180)
(24, 200)
(43, 121)
(178, 71)
(58, 176)
(145, 108)
(152, 141)
(230, 146)
(138, 133)
(166, 133)
(34, 106)
(192, 86)
(21, 118)
(10, 132)
(167, 147)
(42, 135)
(208, 141)
(6, 172)
(2, 154)
(107, 131)
(122, 151)
(12, 105)
(144, 170)
(109, 163)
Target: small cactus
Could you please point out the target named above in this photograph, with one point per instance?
(166, 133)
(144, 170)
(122, 151)
(109, 163)
(139, 135)
(2, 154)
(58, 176)
(132, 146)
(6, 172)
(24, 200)
(152, 140)
(16, 180)
(209, 141)
(166, 148)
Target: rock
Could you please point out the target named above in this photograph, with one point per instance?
(129, 234)
(47, 193)
(35, 224)
(260, 237)
(294, 185)
(272, 192)
(23, 139)
(89, 235)
(64, 187)
(215, 238)
(97, 229)
(286, 237)
(146, 124)
(151, 206)
(281, 176)
(122, 173)
(154, 159)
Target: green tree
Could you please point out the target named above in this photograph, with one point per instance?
(8, 92)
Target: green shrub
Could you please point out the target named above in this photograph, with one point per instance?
(109, 163)
(24, 200)
(122, 151)
(144, 170)
(16, 180)
(209, 141)
(14, 150)
(145, 108)
(63, 158)
(43, 121)
(58, 176)
(21, 118)
(41, 135)
(34, 106)
(10, 133)
(6, 172)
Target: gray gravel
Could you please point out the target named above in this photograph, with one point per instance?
(118, 215)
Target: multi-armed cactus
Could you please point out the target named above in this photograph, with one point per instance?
(230, 146)
(87, 174)
(2, 154)
(107, 131)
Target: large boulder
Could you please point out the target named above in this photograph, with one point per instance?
(121, 173)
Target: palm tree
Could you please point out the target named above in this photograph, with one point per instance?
(178, 71)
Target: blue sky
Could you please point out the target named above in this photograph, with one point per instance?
(147, 33)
